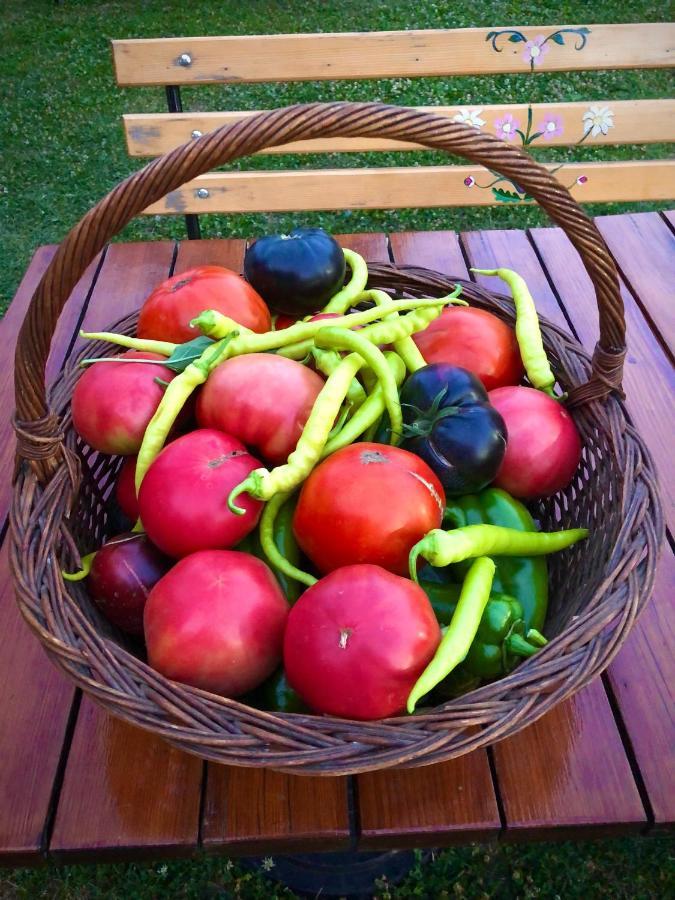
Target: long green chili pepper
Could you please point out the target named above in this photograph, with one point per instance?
(406, 348)
(327, 361)
(81, 574)
(177, 392)
(423, 311)
(301, 351)
(345, 297)
(210, 320)
(270, 548)
(262, 484)
(461, 631)
(441, 548)
(332, 338)
(369, 413)
(164, 348)
(528, 332)
(393, 330)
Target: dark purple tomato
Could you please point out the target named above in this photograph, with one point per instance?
(123, 572)
(450, 423)
(296, 273)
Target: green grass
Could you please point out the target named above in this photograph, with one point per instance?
(62, 141)
(62, 149)
(619, 869)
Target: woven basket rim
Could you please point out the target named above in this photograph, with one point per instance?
(226, 730)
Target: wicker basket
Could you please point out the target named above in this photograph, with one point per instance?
(596, 590)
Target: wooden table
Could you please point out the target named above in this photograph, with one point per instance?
(78, 785)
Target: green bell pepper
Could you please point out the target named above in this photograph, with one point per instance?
(500, 641)
(524, 578)
(277, 694)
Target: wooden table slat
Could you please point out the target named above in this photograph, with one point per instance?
(648, 376)
(255, 811)
(645, 663)
(9, 329)
(126, 792)
(130, 810)
(635, 240)
(558, 795)
(36, 699)
(646, 658)
(34, 714)
(568, 773)
(642, 678)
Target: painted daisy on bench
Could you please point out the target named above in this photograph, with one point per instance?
(469, 117)
(598, 120)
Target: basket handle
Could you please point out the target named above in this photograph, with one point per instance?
(38, 436)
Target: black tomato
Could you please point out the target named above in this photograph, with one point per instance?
(450, 423)
(296, 273)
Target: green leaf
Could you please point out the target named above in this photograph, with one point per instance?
(187, 353)
(506, 196)
(517, 38)
(559, 39)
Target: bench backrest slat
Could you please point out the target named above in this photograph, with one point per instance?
(398, 188)
(389, 54)
(643, 121)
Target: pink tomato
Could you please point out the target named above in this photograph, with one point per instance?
(114, 401)
(183, 497)
(543, 447)
(357, 641)
(216, 621)
(262, 399)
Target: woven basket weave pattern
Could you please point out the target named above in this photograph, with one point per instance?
(597, 587)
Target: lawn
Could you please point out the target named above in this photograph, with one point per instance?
(62, 149)
(62, 140)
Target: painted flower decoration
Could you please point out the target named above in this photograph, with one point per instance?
(469, 117)
(469, 181)
(582, 179)
(598, 120)
(506, 127)
(550, 126)
(535, 50)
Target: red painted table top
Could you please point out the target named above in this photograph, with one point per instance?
(76, 784)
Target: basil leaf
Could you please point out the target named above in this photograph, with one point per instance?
(187, 353)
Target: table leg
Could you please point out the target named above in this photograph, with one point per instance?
(348, 875)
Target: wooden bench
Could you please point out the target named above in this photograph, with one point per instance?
(178, 62)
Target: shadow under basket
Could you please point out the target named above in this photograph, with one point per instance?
(597, 588)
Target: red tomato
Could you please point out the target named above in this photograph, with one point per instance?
(357, 641)
(122, 574)
(543, 447)
(216, 621)
(262, 399)
(367, 503)
(281, 321)
(475, 340)
(125, 489)
(183, 497)
(113, 402)
(168, 311)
